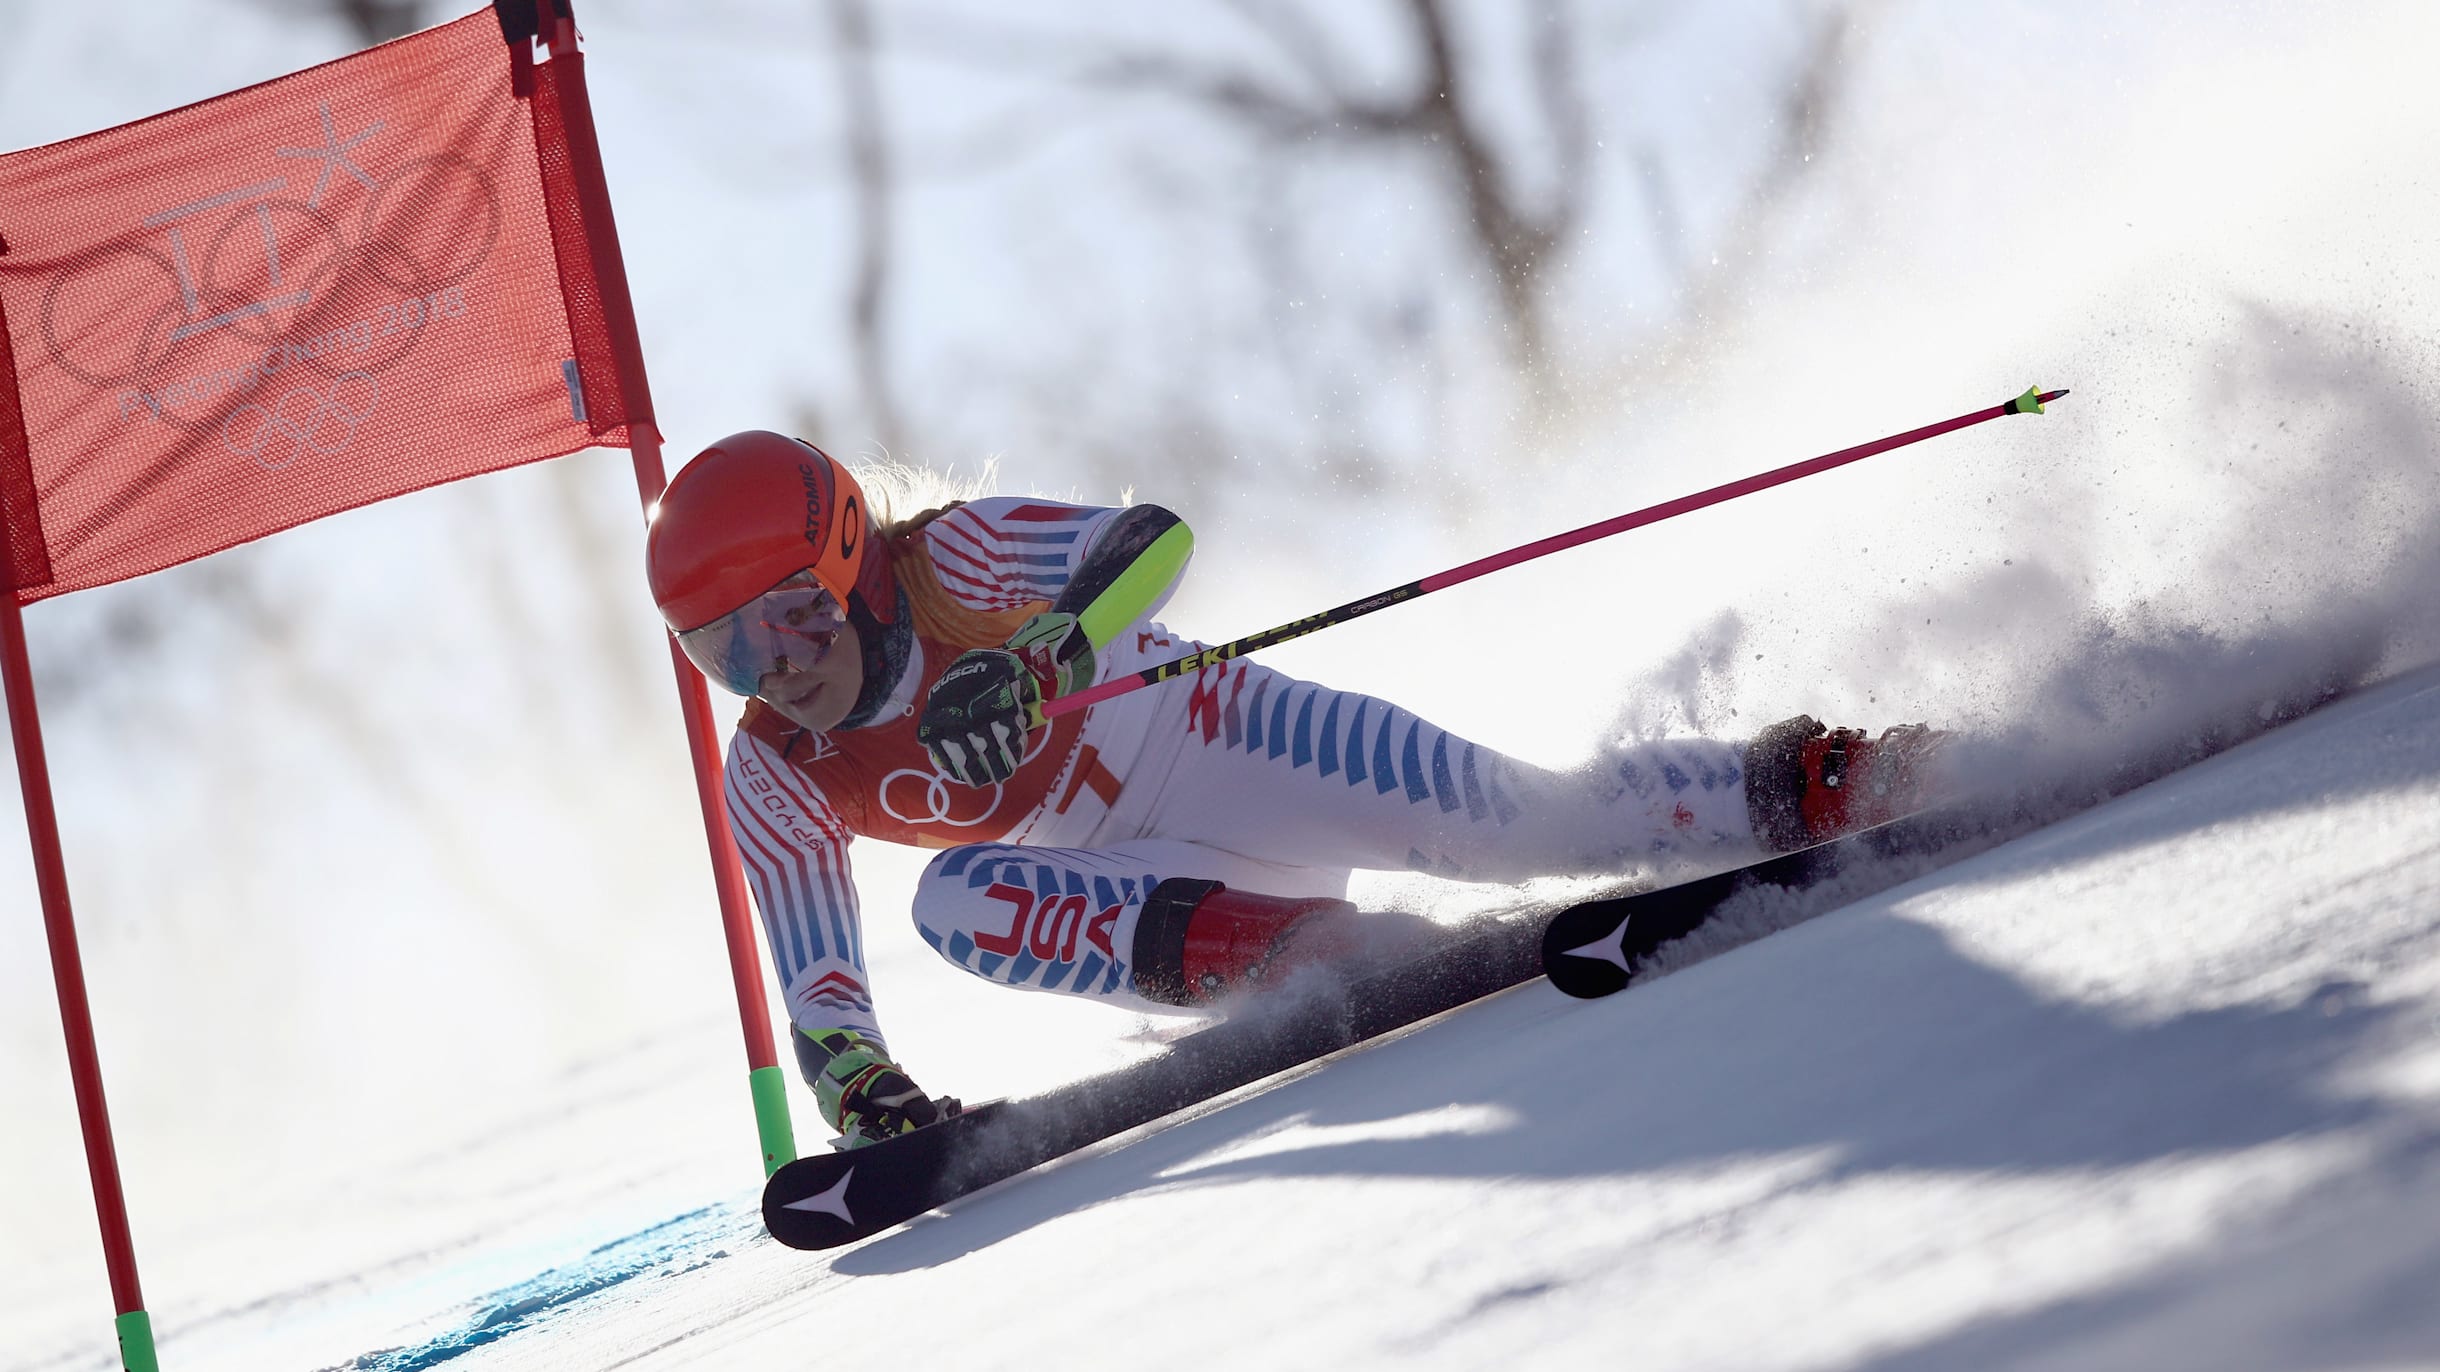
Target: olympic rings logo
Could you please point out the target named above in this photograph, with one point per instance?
(258, 264)
(938, 797)
(303, 420)
(938, 800)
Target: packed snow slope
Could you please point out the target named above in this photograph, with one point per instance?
(2158, 1086)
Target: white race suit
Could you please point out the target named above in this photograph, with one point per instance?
(1237, 773)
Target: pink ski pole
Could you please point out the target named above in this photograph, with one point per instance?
(2031, 402)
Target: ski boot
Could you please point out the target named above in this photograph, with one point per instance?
(1197, 939)
(1805, 784)
(862, 1094)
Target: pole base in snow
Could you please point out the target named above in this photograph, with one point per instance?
(771, 1118)
(136, 1343)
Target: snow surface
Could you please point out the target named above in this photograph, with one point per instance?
(2158, 1086)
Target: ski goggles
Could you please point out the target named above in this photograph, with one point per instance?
(790, 627)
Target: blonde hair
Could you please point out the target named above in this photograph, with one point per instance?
(892, 487)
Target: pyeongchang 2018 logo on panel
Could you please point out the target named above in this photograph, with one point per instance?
(263, 317)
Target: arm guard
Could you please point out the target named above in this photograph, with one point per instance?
(1129, 572)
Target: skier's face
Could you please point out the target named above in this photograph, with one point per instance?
(818, 699)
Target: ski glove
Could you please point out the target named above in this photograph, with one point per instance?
(864, 1095)
(979, 715)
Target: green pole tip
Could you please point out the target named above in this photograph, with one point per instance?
(2030, 402)
(771, 1118)
(136, 1343)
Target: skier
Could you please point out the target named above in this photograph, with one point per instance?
(1160, 848)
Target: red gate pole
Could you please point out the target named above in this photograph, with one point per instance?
(768, 1083)
(68, 974)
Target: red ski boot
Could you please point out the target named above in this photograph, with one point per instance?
(1198, 939)
(1805, 785)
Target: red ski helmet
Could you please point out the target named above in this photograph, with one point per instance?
(753, 510)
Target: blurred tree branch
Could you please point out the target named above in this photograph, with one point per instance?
(1313, 99)
(1717, 296)
(366, 21)
(863, 122)
(379, 21)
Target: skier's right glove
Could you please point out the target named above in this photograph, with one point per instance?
(982, 711)
(976, 719)
(864, 1095)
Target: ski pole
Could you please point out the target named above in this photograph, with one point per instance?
(2031, 402)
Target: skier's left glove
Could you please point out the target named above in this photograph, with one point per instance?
(864, 1095)
(978, 716)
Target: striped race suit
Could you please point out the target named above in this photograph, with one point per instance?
(1237, 773)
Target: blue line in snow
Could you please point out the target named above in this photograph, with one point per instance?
(675, 1246)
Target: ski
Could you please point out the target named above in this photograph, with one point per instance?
(1600, 947)
(1597, 948)
(838, 1198)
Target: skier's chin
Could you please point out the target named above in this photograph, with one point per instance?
(815, 705)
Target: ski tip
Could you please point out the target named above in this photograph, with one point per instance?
(2034, 398)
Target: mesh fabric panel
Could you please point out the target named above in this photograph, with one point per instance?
(284, 302)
